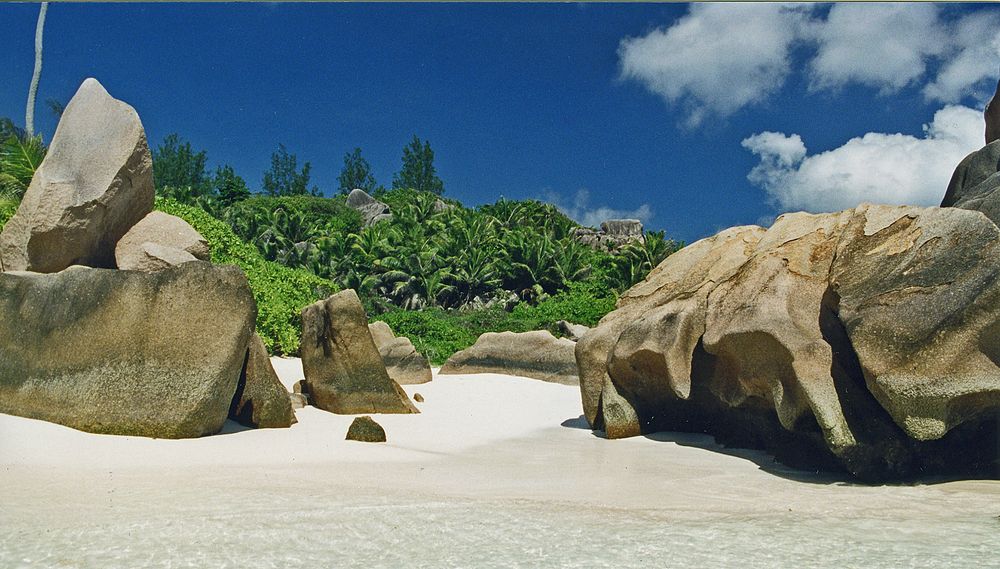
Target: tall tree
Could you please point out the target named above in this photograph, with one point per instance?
(357, 173)
(229, 186)
(29, 112)
(284, 178)
(418, 169)
(176, 165)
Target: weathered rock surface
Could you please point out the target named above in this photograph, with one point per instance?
(160, 240)
(538, 355)
(366, 430)
(992, 116)
(372, 211)
(260, 399)
(343, 368)
(613, 234)
(866, 338)
(94, 184)
(404, 364)
(976, 182)
(572, 331)
(122, 352)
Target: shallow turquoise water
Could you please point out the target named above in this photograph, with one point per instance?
(289, 529)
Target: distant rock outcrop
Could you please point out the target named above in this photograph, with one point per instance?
(614, 234)
(866, 338)
(538, 355)
(372, 211)
(160, 240)
(343, 368)
(365, 430)
(404, 364)
(94, 184)
(125, 352)
(261, 400)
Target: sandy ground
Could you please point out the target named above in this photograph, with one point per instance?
(510, 451)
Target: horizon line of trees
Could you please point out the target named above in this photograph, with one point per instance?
(181, 172)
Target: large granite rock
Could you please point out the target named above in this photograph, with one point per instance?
(865, 339)
(160, 240)
(261, 400)
(123, 352)
(404, 364)
(94, 184)
(975, 183)
(343, 369)
(538, 355)
(372, 211)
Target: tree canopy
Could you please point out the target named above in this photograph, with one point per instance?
(418, 171)
(285, 178)
(356, 173)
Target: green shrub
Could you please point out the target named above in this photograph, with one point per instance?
(435, 333)
(280, 292)
(332, 214)
(7, 209)
(438, 333)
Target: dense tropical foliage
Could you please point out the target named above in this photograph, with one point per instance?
(436, 271)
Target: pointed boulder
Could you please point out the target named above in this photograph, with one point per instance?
(95, 183)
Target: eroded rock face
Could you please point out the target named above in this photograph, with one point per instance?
(865, 339)
(372, 211)
(538, 355)
(94, 184)
(160, 240)
(122, 352)
(261, 400)
(572, 331)
(343, 368)
(404, 364)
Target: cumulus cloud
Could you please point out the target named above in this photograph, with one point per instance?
(720, 58)
(580, 209)
(716, 59)
(973, 61)
(883, 45)
(876, 167)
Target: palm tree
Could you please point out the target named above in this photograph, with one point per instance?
(29, 112)
(20, 156)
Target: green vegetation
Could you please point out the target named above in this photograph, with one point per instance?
(357, 173)
(281, 292)
(7, 209)
(437, 272)
(285, 179)
(20, 156)
(418, 171)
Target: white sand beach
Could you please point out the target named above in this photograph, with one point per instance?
(496, 471)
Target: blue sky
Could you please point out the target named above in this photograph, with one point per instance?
(694, 118)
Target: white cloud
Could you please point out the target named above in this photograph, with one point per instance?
(876, 167)
(883, 45)
(583, 213)
(716, 59)
(720, 58)
(973, 62)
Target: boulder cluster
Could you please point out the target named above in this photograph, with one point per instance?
(613, 234)
(867, 339)
(111, 318)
